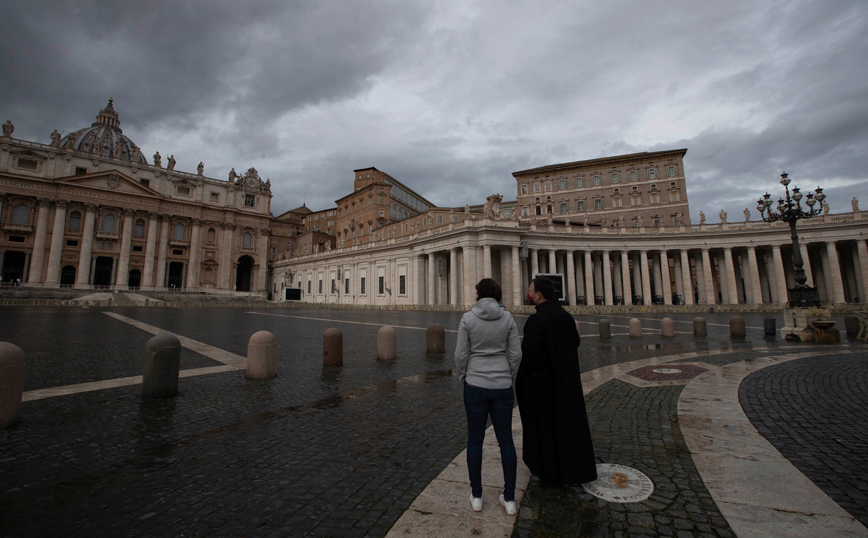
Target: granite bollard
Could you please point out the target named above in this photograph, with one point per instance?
(387, 343)
(700, 328)
(162, 362)
(435, 339)
(851, 323)
(332, 347)
(605, 329)
(736, 327)
(667, 328)
(11, 383)
(261, 356)
(635, 328)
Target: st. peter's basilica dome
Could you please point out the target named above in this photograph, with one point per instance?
(104, 137)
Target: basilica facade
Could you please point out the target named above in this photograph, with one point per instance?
(88, 210)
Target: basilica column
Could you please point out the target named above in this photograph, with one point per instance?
(262, 235)
(453, 276)
(193, 271)
(82, 275)
(516, 277)
(486, 262)
(56, 250)
(580, 280)
(686, 278)
(835, 273)
(150, 251)
(161, 256)
(729, 269)
(432, 275)
(571, 279)
(708, 277)
(646, 277)
(534, 262)
(589, 279)
(756, 295)
(780, 276)
(38, 256)
(665, 277)
(607, 278)
(123, 276)
(553, 262)
(862, 253)
(226, 261)
(626, 282)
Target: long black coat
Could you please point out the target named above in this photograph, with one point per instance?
(557, 443)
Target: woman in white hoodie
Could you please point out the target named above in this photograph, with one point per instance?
(487, 356)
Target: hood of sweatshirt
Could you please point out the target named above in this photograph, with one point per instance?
(487, 309)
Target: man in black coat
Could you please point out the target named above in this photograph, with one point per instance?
(557, 445)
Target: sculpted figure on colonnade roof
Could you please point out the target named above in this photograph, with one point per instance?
(7, 129)
(55, 138)
(722, 216)
(855, 203)
(701, 217)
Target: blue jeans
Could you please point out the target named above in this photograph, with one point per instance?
(479, 404)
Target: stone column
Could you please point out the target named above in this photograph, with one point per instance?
(862, 253)
(729, 269)
(226, 261)
(453, 276)
(82, 275)
(708, 277)
(262, 235)
(39, 240)
(835, 273)
(780, 276)
(571, 279)
(679, 278)
(656, 277)
(803, 248)
(756, 296)
(150, 251)
(589, 278)
(193, 271)
(432, 276)
(580, 279)
(607, 278)
(665, 277)
(599, 288)
(469, 258)
(687, 278)
(161, 253)
(55, 252)
(553, 262)
(516, 276)
(646, 277)
(534, 262)
(123, 278)
(486, 262)
(626, 282)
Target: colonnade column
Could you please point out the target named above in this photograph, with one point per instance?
(729, 268)
(665, 277)
(534, 261)
(580, 280)
(780, 276)
(516, 277)
(708, 277)
(123, 278)
(56, 250)
(432, 275)
(262, 275)
(486, 262)
(571, 279)
(589, 278)
(835, 273)
(38, 255)
(193, 271)
(82, 275)
(607, 278)
(453, 276)
(686, 278)
(626, 283)
(553, 262)
(806, 264)
(161, 255)
(646, 277)
(862, 252)
(756, 295)
(469, 258)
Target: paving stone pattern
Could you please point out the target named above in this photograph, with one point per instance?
(636, 427)
(813, 411)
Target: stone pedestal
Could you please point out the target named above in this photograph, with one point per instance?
(798, 321)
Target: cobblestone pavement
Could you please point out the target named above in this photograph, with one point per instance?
(315, 451)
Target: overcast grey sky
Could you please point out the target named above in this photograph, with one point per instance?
(451, 97)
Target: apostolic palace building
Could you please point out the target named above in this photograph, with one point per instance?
(89, 211)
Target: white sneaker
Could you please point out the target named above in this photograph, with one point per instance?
(509, 506)
(476, 503)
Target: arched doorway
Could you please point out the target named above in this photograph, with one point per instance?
(135, 280)
(176, 275)
(67, 275)
(244, 275)
(102, 271)
(13, 266)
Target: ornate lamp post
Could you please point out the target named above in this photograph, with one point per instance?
(790, 210)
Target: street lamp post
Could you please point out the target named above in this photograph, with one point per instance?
(790, 210)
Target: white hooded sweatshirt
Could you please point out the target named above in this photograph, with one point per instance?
(488, 351)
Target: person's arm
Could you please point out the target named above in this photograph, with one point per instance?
(462, 351)
(513, 350)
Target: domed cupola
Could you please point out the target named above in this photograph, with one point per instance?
(104, 138)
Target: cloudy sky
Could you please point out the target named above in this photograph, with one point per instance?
(451, 97)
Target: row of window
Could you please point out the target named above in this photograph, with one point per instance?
(381, 286)
(597, 179)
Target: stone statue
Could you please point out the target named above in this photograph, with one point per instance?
(587, 220)
(466, 211)
(639, 220)
(117, 151)
(137, 154)
(825, 208)
(621, 221)
(328, 246)
(492, 206)
(200, 168)
(7, 129)
(232, 175)
(515, 214)
(722, 216)
(567, 221)
(746, 214)
(158, 161)
(855, 203)
(678, 217)
(316, 249)
(97, 148)
(171, 164)
(701, 217)
(549, 219)
(55, 138)
(415, 226)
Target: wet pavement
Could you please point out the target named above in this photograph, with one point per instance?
(346, 451)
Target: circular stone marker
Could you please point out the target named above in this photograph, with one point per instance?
(620, 484)
(666, 371)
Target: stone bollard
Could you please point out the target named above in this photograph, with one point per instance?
(736, 327)
(667, 327)
(605, 329)
(162, 361)
(261, 356)
(11, 383)
(851, 323)
(699, 327)
(435, 339)
(387, 343)
(635, 328)
(332, 347)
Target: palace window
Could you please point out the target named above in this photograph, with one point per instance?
(598, 203)
(548, 186)
(74, 221)
(652, 173)
(634, 175)
(563, 207)
(580, 205)
(249, 200)
(597, 180)
(616, 201)
(178, 232)
(614, 178)
(402, 285)
(655, 198)
(656, 223)
(524, 189)
(562, 184)
(21, 215)
(439, 219)
(635, 200)
(674, 196)
(671, 171)
(108, 224)
(549, 209)
(346, 285)
(362, 286)
(580, 182)
(382, 284)
(536, 187)
(320, 286)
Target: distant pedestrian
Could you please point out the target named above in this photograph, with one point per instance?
(487, 357)
(556, 442)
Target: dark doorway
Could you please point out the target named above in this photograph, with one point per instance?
(67, 275)
(176, 275)
(135, 278)
(13, 266)
(243, 276)
(102, 271)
